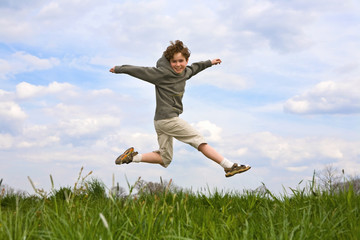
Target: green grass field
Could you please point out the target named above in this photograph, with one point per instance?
(89, 211)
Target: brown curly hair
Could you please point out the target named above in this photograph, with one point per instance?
(177, 47)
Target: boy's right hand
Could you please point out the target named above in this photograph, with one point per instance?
(112, 70)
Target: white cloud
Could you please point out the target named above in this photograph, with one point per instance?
(89, 125)
(27, 90)
(297, 169)
(102, 92)
(30, 62)
(6, 141)
(4, 95)
(47, 141)
(11, 111)
(50, 10)
(5, 68)
(294, 154)
(222, 80)
(57, 113)
(20, 62)
(14, 26)
(327, 97)
(12, 116)
(268, 23)
(209, 130)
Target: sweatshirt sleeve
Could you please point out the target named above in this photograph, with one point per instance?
(199, 66)
(148, 74)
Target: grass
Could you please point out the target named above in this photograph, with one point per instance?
(87, 211)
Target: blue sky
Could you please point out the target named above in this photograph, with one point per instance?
(285, 100)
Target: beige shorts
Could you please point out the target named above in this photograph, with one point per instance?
(167, 129)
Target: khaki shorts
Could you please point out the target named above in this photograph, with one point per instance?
(167, 129)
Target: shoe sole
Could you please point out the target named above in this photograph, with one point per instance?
(120, 159)
(230, 174)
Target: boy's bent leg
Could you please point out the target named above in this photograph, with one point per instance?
(230, 168)
(130, 156)
(152, 157)
(183, 131)
(210, 153)
(165, 142)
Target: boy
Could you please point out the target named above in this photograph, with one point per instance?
(169, 77)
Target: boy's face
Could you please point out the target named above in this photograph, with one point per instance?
(178, 63)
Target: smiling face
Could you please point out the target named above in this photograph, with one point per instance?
(178, 62)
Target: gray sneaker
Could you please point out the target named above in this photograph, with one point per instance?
(235, 169)
(126, 157)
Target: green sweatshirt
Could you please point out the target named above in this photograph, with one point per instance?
(169, 85)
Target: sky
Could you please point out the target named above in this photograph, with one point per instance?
(285, 99)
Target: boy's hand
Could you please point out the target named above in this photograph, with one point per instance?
(216, 61)
(112, 70)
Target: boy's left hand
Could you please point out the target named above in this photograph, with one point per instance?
(216, 61)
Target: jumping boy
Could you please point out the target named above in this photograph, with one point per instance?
(169, 77)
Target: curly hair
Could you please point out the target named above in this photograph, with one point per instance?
(177, 47)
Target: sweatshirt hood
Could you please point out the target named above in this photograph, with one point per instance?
(164, 63)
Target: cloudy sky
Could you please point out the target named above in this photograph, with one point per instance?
(285, 100)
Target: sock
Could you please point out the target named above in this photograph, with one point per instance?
(226, 163)
(137, 158)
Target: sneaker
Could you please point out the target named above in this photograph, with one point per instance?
(126, 157)
(235, 169)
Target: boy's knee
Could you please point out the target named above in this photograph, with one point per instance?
(166, 158)
(201, 146)
(166, 162)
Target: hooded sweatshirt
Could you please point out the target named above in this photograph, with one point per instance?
(169, 85)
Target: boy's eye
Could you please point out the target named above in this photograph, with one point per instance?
(177, 61)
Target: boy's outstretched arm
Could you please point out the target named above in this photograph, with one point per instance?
(216, 61)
